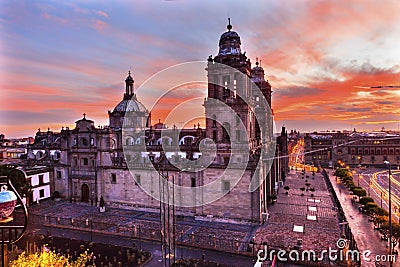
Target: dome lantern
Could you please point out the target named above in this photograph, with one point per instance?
(229, 43)
(129, 86)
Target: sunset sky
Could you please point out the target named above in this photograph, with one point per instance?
(60, 59)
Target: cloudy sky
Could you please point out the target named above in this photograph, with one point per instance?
(60, 59)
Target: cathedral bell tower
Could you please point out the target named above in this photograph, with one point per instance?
(226, 81)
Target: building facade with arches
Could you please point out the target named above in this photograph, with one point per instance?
(91, 162)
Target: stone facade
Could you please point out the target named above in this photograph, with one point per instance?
(352, 149)
(130, 155)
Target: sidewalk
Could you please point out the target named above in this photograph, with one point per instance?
(366, 237)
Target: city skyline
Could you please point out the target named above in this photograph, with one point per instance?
(64, 59)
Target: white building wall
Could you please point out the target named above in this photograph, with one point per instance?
(37, 188)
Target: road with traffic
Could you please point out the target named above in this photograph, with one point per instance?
(376, 183)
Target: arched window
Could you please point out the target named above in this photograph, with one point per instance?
(129, 141)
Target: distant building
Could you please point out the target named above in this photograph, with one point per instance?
(335, 149)
(39, 178)
(90, 162)
(11, 150)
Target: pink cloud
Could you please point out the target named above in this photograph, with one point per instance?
(102, 13)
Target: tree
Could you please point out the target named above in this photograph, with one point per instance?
(380, 212)
(359, 191)
(341, 172)
(365, 200)
(385, 231)
(395, 234)
(379, 220)
(370, 208)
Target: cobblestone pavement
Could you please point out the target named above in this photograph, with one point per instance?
(365, 235)
(312, 211)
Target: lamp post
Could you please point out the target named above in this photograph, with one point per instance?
(167, 215)
(390, 212)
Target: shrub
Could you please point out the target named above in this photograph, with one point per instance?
(380, 212)
(47, 257)
(365, 200)
(370, 206)
(359, 191)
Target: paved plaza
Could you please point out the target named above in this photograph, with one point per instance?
(302, 219)
(299, 220)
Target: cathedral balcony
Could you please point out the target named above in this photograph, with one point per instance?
(134, 147)
(81, 173)
(84, 150)
(140, 166)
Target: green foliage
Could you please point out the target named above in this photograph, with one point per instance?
(342, 172)
(365, 200)
(351, 186)
(380, 212)
(359, 191)
(370, 206)
(381, 219)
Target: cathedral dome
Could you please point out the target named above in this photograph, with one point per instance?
(130, 105)
(229, 43)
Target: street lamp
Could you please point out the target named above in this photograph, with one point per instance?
(390, 212)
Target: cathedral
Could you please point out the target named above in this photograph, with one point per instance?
(125, 161)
